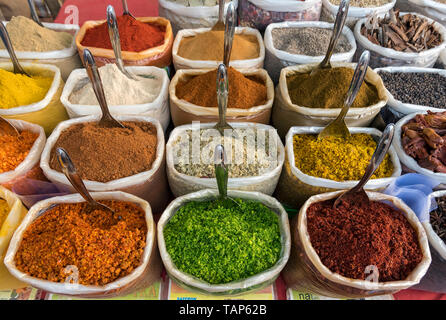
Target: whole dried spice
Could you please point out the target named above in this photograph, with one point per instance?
(359, 233)
(4, 211)
(104, 154)
(327, 89)
(438, 218)
(101, 247)
(407, 33)
(225, 240)
(336, 158)
(423, 138)
(363, 3)
(244, 91)
(14, 149)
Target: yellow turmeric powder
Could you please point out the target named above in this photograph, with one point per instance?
(336, 158)
(20, 90)
(4, 210)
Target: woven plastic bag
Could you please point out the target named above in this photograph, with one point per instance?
(66, 59)
(329, 12)
(47, 112)
(183, 63)
(184, 112)
(286, 114)
(255, 282)
(158, 108)
(142, 276)
(386, 57)
(29, 168)
(149, 185)
(182, 184)
(295, 187)
(182, 17)
(430, 8)
(306, 272)
(259, 14)
(276, 60)
(160, 56)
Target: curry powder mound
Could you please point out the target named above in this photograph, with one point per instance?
(100, 246)
(15, 149)
(4, 211)
(336, 158)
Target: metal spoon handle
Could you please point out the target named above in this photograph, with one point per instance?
(221, 172)
(377, 157)
(8, 45)
(229, 33)
(222, 93)
(34, 14)
(125, 7)
(70, 172)
(7, 126)
(113, 33)
(341, 17)
(221, 10)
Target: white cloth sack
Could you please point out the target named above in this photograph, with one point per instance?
(276, 59)
(329, 12)
(66, 59)
(286, 114)
(306, 272)
(32, 159)
(183, 63)
(305, 186)
(434, 239)
(182, 17)
(158, 108)
(386, 57)
(406, 108)
(432, 9)
(182, 184)
(443, 58)
(149, 185)
(147, 272)
(255, 282)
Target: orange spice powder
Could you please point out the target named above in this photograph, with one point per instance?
(13, 150)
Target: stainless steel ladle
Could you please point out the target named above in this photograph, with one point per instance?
(34, 15)
(126, 9)
(8, 45)
(8, 128)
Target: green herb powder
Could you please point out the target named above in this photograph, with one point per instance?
(223, 240)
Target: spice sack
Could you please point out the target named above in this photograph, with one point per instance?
(430, 8)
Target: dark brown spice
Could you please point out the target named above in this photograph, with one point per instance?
(438, 218)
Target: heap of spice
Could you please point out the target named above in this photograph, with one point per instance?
(363, 3)
(14, 149)
(336, 158)
(99, 245)
(328, 88)
(438, 218)
(225, 240)
(248, 158)
(244, 91)
(407, 33)
(423, 138)
(210, 46)
(359, 233)
(20, 90)
(426, 89)
(4, 211)
(136, 36)
(118, 89)
(27, 35)
(309, 41)
(104, 154)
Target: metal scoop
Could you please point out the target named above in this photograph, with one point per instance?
(377, 157)
(34, 14)
(8, 128)
(126, 9)
(338, 127)
(221, 173)
(222, 100)
(92, 70)
(229, 34)
(337, 30)
(70, 172)
(220, 25)
(113, 33)
(8, 45)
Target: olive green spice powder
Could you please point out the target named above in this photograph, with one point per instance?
(223, 240)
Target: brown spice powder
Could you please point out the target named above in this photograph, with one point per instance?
(100, 246)
(105, 154)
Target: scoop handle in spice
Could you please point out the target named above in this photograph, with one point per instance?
(34, 14)
(220, 25)
(92, 70)
(8, 45)
(8, 128)
(229, 33)
(338, 127)
(221, 172)
(125, 7)
(222, 99)
(115, 40)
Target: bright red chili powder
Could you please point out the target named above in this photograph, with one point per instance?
(359, 233)
(135, 35)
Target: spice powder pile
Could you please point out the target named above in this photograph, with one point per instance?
(15, 149)
(100, 246)
(4, 211)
